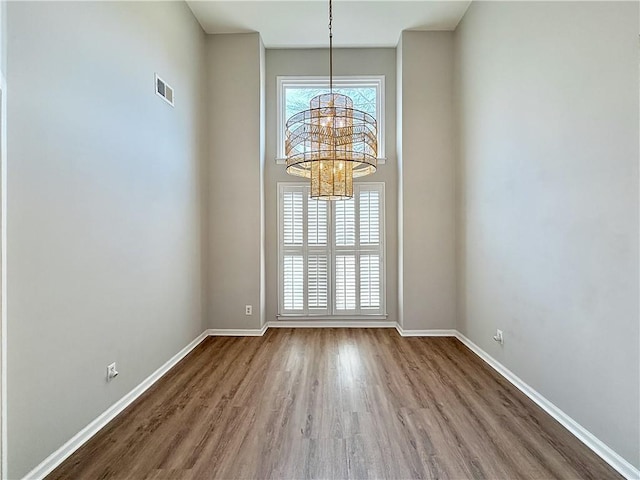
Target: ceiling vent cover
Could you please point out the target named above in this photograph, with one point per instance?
(164, 90)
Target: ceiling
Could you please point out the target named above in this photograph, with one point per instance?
(303, 23)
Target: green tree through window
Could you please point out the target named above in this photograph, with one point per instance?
(297, 98)
(295, 93)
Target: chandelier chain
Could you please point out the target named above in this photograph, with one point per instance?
(330, 46)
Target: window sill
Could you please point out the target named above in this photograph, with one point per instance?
(283, 161)
(333, 318)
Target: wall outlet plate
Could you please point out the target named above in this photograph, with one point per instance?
(248, 310)
(111, 372)
(498, 337)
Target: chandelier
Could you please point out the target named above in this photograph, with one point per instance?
(331, 142)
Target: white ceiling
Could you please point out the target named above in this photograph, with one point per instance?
(304, 23)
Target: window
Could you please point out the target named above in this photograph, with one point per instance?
(331, 254)
(294, 93)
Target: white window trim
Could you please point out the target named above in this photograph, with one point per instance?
(284, 81)
(383, 249)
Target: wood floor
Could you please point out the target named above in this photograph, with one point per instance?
(333, 403)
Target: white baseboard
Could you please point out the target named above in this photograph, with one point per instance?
(603, 451)
(57, 457)
(241, 332)
(425, 333)
(331, 324)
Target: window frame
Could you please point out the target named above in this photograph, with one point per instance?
(332, 250)
(291, 81)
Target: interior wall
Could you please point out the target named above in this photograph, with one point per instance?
(235, 177)
(427, 251)
(104, 209)
(263, 225)
(399, 155)
(315, 62)
(3, 38)
(105, 236)
(3, 235)
(548, 117)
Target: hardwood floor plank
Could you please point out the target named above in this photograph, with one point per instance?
(333, 403)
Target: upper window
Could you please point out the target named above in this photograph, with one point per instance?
(367, 93)
(331, 254)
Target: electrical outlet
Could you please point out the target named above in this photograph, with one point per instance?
(111, 372)
(248, 310)
(498, 337)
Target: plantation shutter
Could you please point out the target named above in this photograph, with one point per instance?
(293, 282)
(331, 254)
(292, 238)
(369, 217)
(345, 283)
(317, 256)
(370, 249)
(345, 223)
(345, 295)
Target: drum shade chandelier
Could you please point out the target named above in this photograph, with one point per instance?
(331, 142)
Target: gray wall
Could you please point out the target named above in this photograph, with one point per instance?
(400, 199)
(548, 104)
(426, 164)
(104, 209)
(235, 172)
(110, 186)
(370, 61)
(3, 154)
(3, 38)
(263, 145)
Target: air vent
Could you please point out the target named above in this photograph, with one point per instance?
(164, 90)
